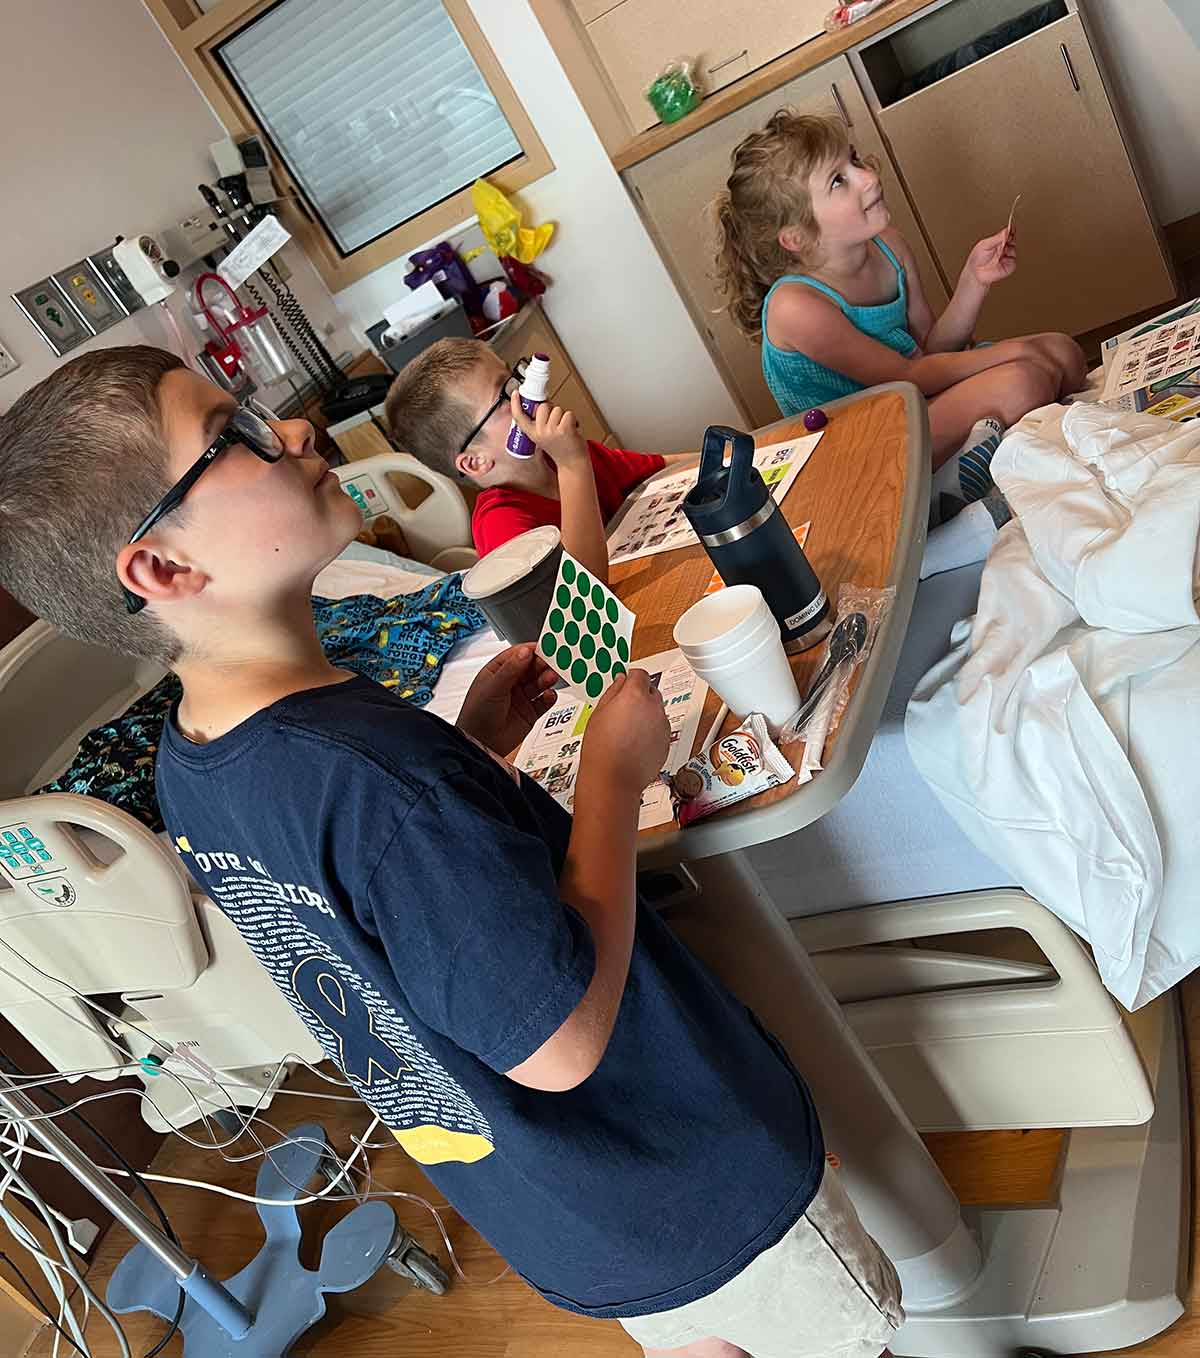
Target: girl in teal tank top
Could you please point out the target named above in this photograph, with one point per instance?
(854, 314)
(798, 382)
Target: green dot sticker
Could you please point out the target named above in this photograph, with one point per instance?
(578, 609)
(587, 647)
(618, 670)
(608, 635)
(571, 634)
(568, 571)
(603, 661)
(593, 621)
(563, 595)
(594, 686)
(612, 610)
(584, 584)
(549, 643)
(597, 596)
(622, 648)
(563, 658)
(579, 671)
(556, 619)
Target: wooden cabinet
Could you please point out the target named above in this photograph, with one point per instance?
(674, 188)
(724, 41)
(1033, 118)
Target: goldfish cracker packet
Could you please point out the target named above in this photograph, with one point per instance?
(739, 765)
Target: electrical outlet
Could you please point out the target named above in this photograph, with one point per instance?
(7, 362)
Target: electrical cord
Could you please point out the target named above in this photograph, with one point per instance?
(32, 1292)
(254, 1115)
(10, 1068)
(15, 1175)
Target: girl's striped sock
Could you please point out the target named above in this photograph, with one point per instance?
(975, 459)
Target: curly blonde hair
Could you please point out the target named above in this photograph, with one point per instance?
(766, 191)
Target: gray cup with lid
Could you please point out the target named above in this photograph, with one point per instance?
(514, 584)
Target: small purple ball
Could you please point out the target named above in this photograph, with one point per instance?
(815, 419)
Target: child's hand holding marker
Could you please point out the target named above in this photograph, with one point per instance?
(555, 430)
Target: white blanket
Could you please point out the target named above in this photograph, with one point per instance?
(1062, 731)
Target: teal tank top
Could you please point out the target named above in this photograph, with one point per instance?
(798, 382)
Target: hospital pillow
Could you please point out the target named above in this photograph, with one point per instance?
(400, 642)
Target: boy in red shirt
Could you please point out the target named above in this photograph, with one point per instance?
(452, 408)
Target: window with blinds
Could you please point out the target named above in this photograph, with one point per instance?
(376, 107)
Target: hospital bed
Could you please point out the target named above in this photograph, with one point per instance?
(1005, 1026)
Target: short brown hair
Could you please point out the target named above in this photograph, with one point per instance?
(82, 460)
(427, 417)
(766, 191)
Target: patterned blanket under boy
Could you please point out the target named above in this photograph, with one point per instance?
(401, 643)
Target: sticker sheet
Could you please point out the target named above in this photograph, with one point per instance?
(587, 633)
(550, 754)
(654, 521)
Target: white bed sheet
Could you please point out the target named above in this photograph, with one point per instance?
(889, 838)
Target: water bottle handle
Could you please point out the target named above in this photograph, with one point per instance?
(712, 455)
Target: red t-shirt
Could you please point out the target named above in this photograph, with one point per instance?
(504, 512)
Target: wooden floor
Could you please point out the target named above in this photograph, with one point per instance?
(389, 1319)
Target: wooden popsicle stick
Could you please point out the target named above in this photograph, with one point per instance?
(1011, 212)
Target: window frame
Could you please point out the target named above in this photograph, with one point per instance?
(195, 36)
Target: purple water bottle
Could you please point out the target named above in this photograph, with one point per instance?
(535, 387)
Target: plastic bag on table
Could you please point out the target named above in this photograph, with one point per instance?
(673, 92)
(842, 16)
(859, 613)
(500, 222)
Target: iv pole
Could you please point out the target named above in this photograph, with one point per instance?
(191, 1276)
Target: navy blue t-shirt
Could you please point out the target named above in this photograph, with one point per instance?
(400, 885)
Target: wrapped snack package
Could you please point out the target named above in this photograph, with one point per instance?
(674, 92)
(739, 765)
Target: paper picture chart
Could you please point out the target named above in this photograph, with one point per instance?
(1176, 313)
(550, 753)
(1151, 358)
(654, 521)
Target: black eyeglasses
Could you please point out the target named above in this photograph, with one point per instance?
(511, 383)
(249, 425)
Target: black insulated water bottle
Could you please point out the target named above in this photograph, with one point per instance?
(748, 540)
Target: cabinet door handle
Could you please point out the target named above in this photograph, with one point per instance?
(841, 106)
(737, 56)
(1062, 47)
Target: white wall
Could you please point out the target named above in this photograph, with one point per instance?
(104, 134)
(1151, 50)
(612, 301)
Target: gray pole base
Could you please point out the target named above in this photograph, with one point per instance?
(284, 1297)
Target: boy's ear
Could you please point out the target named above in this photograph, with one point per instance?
(474, 465)
(147, 569)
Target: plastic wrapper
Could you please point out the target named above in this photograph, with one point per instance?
(859, 613)
(842, 16)
(501, 223)
(739, 765)
(673, 92)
